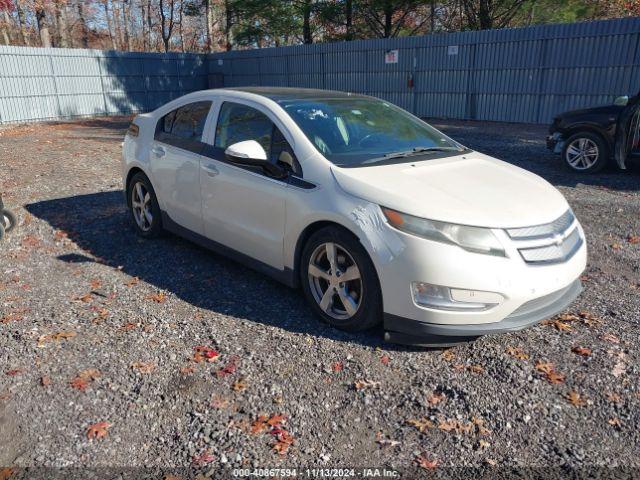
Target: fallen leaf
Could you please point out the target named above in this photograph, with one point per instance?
(435, 398)
(448, 355)
(575, 399)
(143, 367)
(98, 430)
(187, 370)
(423, 462)
(619, 369)
(337, 367)
(6, 473)
(615, 422)
(517, 353)
(132, 282)
(616, 246)
(203, 353)
(284, 440)
(45, 381)
(277, 420)
(490, 461)
(385, 359)
(362, 384)
(454, 426)
(385, 442)
(95, 284)
(79, 384)
(260, 424)
(633, 239)
(229, 369)
(127, 326)
(476, 369)
(15, 371)
(204, 458)
(613, 397)
(218, 402)
(239, 385)
(582, 351)
(159, 297)
(609, 337)
(549, 371)
(422, 424)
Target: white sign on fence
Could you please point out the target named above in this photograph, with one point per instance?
(452, 50)
(391, 56)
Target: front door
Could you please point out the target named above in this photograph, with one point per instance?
(243, 208)
(628, 133)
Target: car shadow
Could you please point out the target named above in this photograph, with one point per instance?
(99, 224)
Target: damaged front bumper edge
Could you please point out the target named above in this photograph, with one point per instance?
(405, 331)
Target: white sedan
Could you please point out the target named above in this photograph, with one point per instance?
(375, 214)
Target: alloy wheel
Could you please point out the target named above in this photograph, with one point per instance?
(141, 206)
(582, 153)
(335, 281)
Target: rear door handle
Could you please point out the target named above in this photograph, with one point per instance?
(158, 151)
(211, 170)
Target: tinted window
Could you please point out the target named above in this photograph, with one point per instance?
(360, 131)
(237, 123)
(186, 122)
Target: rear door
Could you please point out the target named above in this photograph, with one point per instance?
(175, 163)
(628, 133)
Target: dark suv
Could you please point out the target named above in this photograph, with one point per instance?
(587, 139)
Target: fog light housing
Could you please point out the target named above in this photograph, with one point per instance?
(453, 299)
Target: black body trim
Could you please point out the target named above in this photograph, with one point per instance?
(412, 332)
(286, 276)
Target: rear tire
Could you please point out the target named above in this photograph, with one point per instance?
(585, 152)
(143, 207)
(339, 280)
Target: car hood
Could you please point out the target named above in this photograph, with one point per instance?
(602, 110)
(471, 189)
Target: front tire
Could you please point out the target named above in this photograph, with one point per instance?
(585, 152)
(9, 220)
(339, 280)
(143, 207)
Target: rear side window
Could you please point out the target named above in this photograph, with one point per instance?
(183, 127)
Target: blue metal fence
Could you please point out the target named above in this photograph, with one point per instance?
(52, 83)
(515, 75)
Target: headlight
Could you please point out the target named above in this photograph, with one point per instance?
(472, 239)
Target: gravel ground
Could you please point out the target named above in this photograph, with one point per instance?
(169, 356)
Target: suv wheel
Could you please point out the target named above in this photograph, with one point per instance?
(339, 280)
(585, 152)
(143, 206)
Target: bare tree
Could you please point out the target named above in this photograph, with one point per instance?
(62, 29)
(41, 20)
(167, 21)
(487, 14)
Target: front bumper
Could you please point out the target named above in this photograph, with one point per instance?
(555, 142)
(411, 332)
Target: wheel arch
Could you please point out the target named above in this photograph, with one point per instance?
(592, 129)
(306, 234)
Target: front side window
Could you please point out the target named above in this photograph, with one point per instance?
(237, 123)
(353, 132)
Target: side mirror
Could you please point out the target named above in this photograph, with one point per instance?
(251, 154)
(621, 101)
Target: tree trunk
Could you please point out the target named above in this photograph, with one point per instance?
(149, 24)
(228, 14)
(43, 28)
(180, 30)
(61, 24)
(143, 16)
(348, 13)
(84, 38)
(210, 22)
(116, 26)
(22, 24)
(432, 17)
(484, 15)
(306, 25)
(166, 23)
(126, 21)
(388, 18)
(6, 29)
(105, 4)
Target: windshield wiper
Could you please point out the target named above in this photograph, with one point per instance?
(413, 151)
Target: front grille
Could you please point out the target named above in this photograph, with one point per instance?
(541, 302)
(555, 253)
(542, 231)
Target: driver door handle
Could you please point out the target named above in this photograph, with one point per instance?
(159, 151)
(211, 170)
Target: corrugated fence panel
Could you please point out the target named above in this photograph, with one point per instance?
(47, 84)
(518, 75)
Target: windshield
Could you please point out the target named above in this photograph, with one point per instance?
(353, 132)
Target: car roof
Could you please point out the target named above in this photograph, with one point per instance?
(283, 94)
